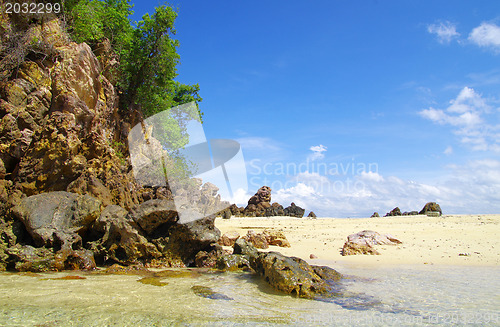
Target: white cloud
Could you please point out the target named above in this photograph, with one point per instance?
(472, 118)
(240, 197)
(445, 31)
(371, 176)
(486, 35)
(473, 188)
(448, 151)
(317, 152)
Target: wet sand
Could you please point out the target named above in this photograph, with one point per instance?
(446, 240)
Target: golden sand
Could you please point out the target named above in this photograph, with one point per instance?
(446, 240)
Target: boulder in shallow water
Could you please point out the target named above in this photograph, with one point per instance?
(293, 275)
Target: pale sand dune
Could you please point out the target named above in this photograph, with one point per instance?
(426, 240)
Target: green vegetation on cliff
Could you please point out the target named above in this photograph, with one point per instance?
(146, 50)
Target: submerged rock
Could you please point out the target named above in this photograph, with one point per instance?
(209, 293)
(155, 281)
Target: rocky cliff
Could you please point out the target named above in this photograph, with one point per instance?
(62, 137)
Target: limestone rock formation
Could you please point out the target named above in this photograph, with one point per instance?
(64, 157)
(375, 215)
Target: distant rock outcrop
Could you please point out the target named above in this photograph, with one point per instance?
(259, 205)
(431, 209)
(394, 212)
(375, 215)
(311, 215)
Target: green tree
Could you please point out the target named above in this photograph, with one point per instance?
(148, 57)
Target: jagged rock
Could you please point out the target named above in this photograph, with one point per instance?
(231, 262)
(209, 259)
(153, 213)
(375, 215)
(55, 217)
(394, 212)
(352, 248)
(274, 237)
(120, 241)
(256, 239)
(242, 246)
(311, 215)
(226, 214)
(294, 211)
(235, 210)
(430, 209)
(275, 209)
(186, 240)
(263, 195)
(229, 238)
(363, 242)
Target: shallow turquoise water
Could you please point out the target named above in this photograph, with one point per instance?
(391, 296)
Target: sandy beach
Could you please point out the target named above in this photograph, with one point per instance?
(446, 240)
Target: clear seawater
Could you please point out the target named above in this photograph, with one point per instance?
(372, 296)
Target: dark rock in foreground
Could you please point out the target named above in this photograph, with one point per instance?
(290, 275)
(293, 275)
(69, 231)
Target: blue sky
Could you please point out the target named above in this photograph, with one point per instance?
(405, 92)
